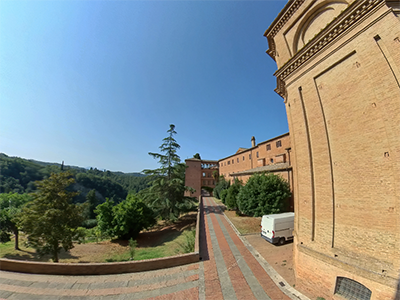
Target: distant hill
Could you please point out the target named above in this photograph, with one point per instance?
(19, 175)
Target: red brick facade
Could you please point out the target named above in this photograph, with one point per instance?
(339, 74)
(200, 173)
(272, 155)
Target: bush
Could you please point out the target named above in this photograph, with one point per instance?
(263, 194)
(221, 185)
(126, 219)
(232, 193)
(223, 195)
(90, 223)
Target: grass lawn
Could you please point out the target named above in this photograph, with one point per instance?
(244, 224)
(161, 241)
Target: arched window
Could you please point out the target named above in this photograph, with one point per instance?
(351, 289)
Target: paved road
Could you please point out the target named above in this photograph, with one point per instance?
(227, 271)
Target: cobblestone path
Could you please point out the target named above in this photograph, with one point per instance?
(227, 271)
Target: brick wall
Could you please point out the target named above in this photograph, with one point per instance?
(342, 94)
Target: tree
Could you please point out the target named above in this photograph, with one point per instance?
(166, 193)
(221, 185)
(92, 202)
(51, 220)
(126, 219)
(10, 207)
(197, 155)
(264, 194)
(105, 217)
(231, 196)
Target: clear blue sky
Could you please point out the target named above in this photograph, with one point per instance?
(97, 83)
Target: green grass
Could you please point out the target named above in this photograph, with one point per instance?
(184, 243)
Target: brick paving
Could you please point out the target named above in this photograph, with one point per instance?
(228, 270)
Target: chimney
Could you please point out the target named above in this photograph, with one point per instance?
(253, 141)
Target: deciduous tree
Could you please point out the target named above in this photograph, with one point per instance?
(51, 220)
(264, 194)
(10, 207)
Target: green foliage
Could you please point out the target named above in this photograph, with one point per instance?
(126, 219)
(92, 202)
(263, 194)
(132, 248)
(89, 223)
(10, 208)
(223, 195)
(50, 221)
(221, 185)
(197, 155)
(18, 176)
(208, 189)
(231, 196)
(166, 193)
(189, 241)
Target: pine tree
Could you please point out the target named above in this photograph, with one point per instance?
(166, 193)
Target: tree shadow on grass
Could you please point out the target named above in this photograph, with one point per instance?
(34, 256)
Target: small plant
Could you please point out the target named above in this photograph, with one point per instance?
(190, 239)
(320, 298)
(132, 248)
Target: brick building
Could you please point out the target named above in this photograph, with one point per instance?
(339, 74)
(272, 155)
(200, 173)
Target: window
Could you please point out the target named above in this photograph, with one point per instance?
(271, 160)
(209, 175)
(233, 161)
(351, 289)
(204, 174)
(229, 162)
(278, 144)
(243, 157)
(213, 182)
(257, 154)
(204, 182)
(268, 147)
(249, 156)
(238, 159)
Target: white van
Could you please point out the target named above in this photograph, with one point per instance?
(277, 228)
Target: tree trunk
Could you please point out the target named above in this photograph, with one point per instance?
(55, 253)
(16, 234)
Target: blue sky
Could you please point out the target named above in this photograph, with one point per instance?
(97, 83)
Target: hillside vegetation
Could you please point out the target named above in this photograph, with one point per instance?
(17, 175)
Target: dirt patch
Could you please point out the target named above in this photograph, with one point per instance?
(244, 224)
(163, 232)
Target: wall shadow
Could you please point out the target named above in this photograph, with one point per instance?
(204, 255)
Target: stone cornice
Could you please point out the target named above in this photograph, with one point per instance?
(350, 16)
(286, 13)
(284, 16)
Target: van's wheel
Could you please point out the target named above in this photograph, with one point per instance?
(281, 241)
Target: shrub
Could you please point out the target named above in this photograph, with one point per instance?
(220, 186)
(263, 194)
(223, 195)
(232, 193)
